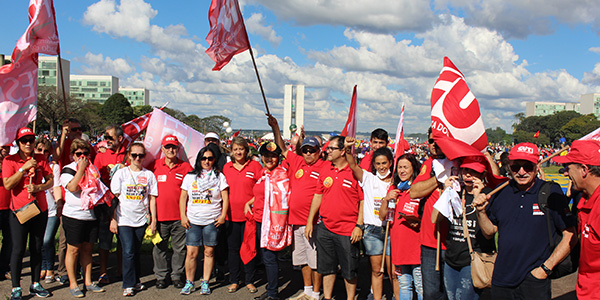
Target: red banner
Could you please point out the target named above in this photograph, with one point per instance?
(41, 35)
(350, 127)
(227, 36)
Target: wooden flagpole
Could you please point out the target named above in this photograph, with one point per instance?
(62, 81)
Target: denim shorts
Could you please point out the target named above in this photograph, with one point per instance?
(373, 237)
(201, 235)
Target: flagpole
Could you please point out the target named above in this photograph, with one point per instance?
(62, 81)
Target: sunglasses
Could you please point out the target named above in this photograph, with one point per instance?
(308, 150)
(108, 137)
(431, 141)
(209, 158)
(42, 150)
(172, 147)
(79, 154)
(27, 140)
(138, 155)
(76, 129)
(528, 167)
(334, 148)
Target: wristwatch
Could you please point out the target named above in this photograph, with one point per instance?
(361, 227)
(21, 170)
(548, 271)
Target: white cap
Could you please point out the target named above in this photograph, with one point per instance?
(211, 135)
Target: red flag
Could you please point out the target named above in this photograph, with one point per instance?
(401, 144)
(41, 35)
(134, 128)
(594, 135)
(537, 134)
(236, 133)
(227, 36)
(350, 127)
(455, 111)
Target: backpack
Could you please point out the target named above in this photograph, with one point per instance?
(571, 263)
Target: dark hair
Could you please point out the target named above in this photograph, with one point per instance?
(380, 134)
(429, 131)
(45, 141)
(594, 170)
(73, 120)
(117, 128)
(198, 165)
(416, 165)
(383, 151)
(340, 140)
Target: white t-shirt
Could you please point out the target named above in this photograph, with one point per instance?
(374, 190)
(133, 189)
(203, 206)
(72, 208)
(50, 192)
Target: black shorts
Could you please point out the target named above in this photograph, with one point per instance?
(78, 231)
(333, 250)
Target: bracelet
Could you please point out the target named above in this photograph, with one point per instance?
(546, 269)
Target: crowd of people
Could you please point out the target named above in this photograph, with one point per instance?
(312, 197)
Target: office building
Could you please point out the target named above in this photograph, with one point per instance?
(136, 96)
(94, 88)
(49, 73)
(540, 108)
(590, 104)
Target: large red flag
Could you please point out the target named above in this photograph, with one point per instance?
(227, 36)
(41, 35)
(134, 128)
(400, 145)
(454, 110)
(350, 127)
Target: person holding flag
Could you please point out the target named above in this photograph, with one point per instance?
(27, 175)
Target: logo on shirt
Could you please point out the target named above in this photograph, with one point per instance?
(249, 174)
(178, 176)
(536, 210)
(347, 183)
(314, 175)
(299, 173)
(586, 231)
(423, 170)
(328, 182)
(142, 180)
(161, 178)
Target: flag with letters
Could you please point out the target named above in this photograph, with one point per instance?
(227, 36)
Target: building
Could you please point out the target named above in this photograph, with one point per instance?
(136, 96)
(50, 74)
(590, 104)
(4, 60)
(293, 108)
(94, 88)
(539, 108)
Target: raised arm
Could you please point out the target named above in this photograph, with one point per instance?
(277, 134)
(356, 170)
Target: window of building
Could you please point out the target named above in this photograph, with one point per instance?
(92, 83)
(102, 83)
(89, 89)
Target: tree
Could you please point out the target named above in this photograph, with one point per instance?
(498, 135)
(51, 109)
(578, 127)
(214, 124)
(194, 122)
(90, 118)
(139, 111)
(177, 114)
(117, 110)
(550, 126)
(521, 136)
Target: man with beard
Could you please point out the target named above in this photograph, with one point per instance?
(525, 259)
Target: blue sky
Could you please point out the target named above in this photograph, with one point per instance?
(511, 52)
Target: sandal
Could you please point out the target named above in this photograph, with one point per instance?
(232, 288)
(103, 279)
(251, 288)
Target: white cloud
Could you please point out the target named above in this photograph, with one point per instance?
(97, 64)
(595, 49)
(256, 25)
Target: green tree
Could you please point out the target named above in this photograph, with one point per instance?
(214, 124)
(116, 110)
(194, 122)
(526, 136)
(579, 127)
(139, 111)
(91, 118)
(177, 114)
(549, 126)
(498, 135)
(51, 109)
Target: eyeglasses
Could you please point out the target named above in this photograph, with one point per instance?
(27, 140)
(528, 167)
(333, 148)
(431, 141)
(79, 154)
(108, 137)
(76, 129)
(308, 150)
(209, 158)
(42, 150)
(172, 147)
(138, 155)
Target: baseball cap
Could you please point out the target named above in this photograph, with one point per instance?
(170, 140)
(269, 147)
(311, 141)
(585, 152)
(474, 163)
(525, 151)
(23, 132)
(211, 135)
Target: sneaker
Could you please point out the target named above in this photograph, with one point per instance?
(128, 292)
(204, 289)
(49, 279)
(64, 280)
(188, 288)
(94, 288)
(139, 287)
(38, 290)
(76, 292)
(15, 294)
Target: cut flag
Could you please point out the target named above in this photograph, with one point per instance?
(350, 127)
(537, 134)
(227, 36)
(401, 144)
(134, 128)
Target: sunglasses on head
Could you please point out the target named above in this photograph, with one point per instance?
(209, 158)
(76, 129)
(138, 155)
(308, 150)
(84, 153)
(27, 140)
(528, 167)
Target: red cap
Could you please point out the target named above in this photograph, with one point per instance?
(475, 163)
(525, 151)
(23, 132)
(170, 140)
(585, 152)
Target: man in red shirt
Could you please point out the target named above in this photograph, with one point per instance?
(339, 201)
(583, 166)
(105, 162)
(71, 130)
(303, 172)
(4, 215)
(379, 139)
(169, 172)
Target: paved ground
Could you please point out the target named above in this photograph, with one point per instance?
(289, 279)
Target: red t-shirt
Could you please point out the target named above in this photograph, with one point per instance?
(259, 200)
(241, 182)
(105, 161)
(169, 188)
(303, 184)
(341, 199)
(365, 162)
(589, 262)
(4, 197)
(428, 236)
(406, 247)
(66, 157)
(19, 194)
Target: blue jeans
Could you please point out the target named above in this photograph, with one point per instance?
(49, 247)
(459, 283)
(131, 242)
(271, 266)
(410, 274)
(433, 281)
